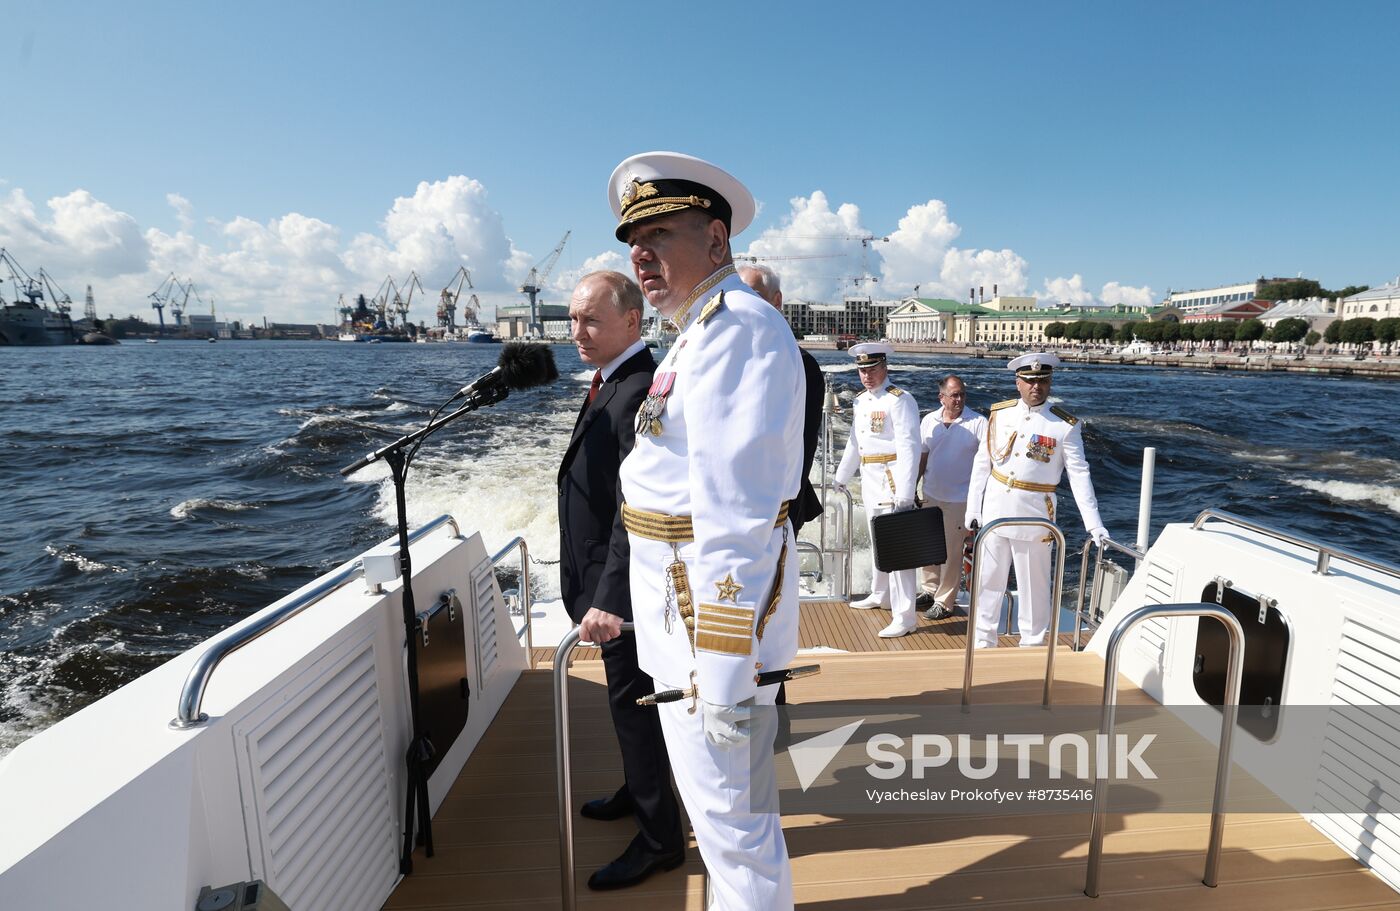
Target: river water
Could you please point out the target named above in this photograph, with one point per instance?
(158, 493)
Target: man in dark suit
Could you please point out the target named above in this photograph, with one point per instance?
(764, 281)
(606, 317)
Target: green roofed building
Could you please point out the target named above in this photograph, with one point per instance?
(1002, 320)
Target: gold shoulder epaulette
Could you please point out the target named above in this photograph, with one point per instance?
(894, 390)
(1064, 415)
(1006, 404)
(712, 306)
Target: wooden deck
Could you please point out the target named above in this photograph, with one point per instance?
(497, 841)
(834, 625)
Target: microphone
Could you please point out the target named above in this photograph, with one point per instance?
(521, 365)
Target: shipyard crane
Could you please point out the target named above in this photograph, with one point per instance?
(61, 301)
(447, 300)
(90, 307)
(162, 297)
(534, 282)
(769, 259)
(25, 285)
(186, 292)
(387, 291)
(401, 304)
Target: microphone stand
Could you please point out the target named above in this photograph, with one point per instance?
(398, 455)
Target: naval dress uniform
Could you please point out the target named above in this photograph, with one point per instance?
(884, 447)
(1024, 452)
(714, 566)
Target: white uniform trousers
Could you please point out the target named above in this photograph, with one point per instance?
(896, 589)
(744, 852)
(1031, 557)
(942, 581)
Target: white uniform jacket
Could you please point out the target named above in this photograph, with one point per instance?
(1023, 453)
(884, 423)
(728, 454)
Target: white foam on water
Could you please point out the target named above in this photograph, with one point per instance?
(1386, 495)
(507, 490)
(1279, 457)
(83, 563)
(187, 508)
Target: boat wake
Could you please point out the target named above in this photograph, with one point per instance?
(188, 508)
(1386, 495)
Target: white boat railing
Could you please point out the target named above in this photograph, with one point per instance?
(522, 596)
(1056, 583)
(187, 713)
(1234, 672)
(1325, 552)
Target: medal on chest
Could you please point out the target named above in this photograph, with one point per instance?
(1040, 448)
(877, 422)
(648, 421)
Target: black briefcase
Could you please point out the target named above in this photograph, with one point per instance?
(909, 539)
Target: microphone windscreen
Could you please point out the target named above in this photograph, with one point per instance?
(526, 364)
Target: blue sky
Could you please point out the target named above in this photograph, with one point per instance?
(274, 152)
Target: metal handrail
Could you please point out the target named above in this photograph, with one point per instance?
(187, 713)
(849, 549)
(1325, 552)
(1057, 582)
(1098, 573)
(1233, 674)
(562, 767)
(807, 547)
(526, 599)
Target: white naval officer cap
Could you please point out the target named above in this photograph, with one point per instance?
(869, 354)
(1034, 366)
(653, 184)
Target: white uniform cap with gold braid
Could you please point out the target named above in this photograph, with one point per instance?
(653, 184)
(1034, 366)
(868, 354)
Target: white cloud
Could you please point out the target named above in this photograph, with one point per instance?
(1066, 291)
(812, 249)
(293, 267)
(1114, 293)
(563, 283)
(80, 232)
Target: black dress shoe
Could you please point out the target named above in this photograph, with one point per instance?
(607, 809)
(635, 865)
(937, 612)
(923, 600)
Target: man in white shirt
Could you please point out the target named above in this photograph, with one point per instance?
(948, 440)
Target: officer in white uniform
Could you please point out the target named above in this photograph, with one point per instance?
(1026, 447)
(706, 488)
(884, 445)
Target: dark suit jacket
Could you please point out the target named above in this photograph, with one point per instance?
(593, 549)
(809, 505)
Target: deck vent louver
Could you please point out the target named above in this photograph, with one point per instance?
(321, 823)
(487, 645)
(1360, 763)
(1161, 589)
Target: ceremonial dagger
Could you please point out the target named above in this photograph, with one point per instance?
(767, 678)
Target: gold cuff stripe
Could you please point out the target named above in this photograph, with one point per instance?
(728, 613)
(737, 627)
(658, 526)
(1022, 485)
(722, 644)
(882, 457)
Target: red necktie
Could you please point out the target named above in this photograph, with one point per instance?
(593, 389)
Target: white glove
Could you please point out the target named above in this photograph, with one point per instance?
(1099, 534)
(901, 505)
(838, 487)
(727, 726)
